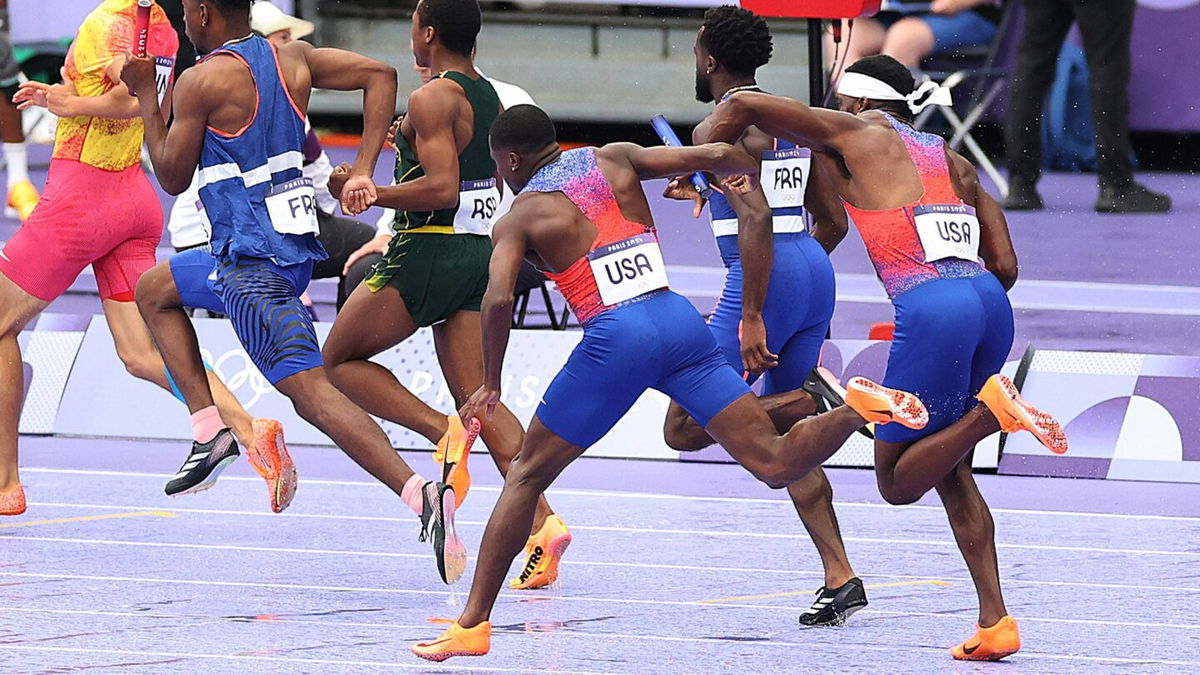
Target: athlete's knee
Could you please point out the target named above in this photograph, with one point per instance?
(681, 433)
(811, 491)
(898, 495)
(154, 289)
(529, 472)
(141, 365)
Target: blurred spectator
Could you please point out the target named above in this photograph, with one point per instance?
(911, 32)
(1106, 26)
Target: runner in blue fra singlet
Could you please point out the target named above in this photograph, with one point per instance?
(240, 120)
(774, 311)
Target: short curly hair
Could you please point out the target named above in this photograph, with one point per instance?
(737, 38)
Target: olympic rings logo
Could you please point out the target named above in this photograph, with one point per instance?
(247, 376)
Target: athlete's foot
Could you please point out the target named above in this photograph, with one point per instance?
(876, 403)
(452, 453)
(12, 501)
(457, 641)
(990, 644)
(543, 552)
(437, 526)
(22, 199)
(834, 605)
(204, 464)
(828, 394)
(268, 454)
(1001, 397)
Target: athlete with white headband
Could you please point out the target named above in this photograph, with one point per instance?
(941, 247)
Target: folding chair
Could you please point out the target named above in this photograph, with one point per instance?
(988, 67)
(529, 280)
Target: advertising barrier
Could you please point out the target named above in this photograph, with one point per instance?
(1126, 416)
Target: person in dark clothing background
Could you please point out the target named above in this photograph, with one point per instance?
(1107, 27)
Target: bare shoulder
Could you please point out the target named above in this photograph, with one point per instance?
(437, 100)
(209, 75)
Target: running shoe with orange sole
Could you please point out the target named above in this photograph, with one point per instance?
(543, 552)
(22, 198)
(12, 502)
(990, 644)
(268, 454)
(452, 453)
(457, 641)
(1000, 395)
(878, 404)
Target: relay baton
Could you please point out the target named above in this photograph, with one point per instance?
(668, 136)
(143, 28)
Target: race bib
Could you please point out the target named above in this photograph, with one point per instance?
(948, 231)
(163, 67)
(477, 203)
(784, 176)
(293, 207)
(628, 268)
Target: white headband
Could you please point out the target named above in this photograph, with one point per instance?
(859, 85)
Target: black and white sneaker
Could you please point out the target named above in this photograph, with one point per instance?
(204, 464)
(835, 605)
(829, 393)
(437, 525)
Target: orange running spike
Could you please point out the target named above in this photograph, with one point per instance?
(543, 552)
(12, 502)
(457, 641)
(881, 405)
(1000, 395)
(268, 454)
(990, 644)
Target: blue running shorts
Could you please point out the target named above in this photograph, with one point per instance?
(659, 343)
(797, 309)
(262, 300)
(951, 336)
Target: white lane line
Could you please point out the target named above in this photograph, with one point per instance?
(770, 642)
(533, 597)
(275, 659)
(611, 494)
(691, 533)
(580, 563)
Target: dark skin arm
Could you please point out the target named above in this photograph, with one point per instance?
(721, 159)
(432, 111)
(509, 245)
(821, 200)
(176, 153)
(341, 70)
(819, 129)
(995, 244)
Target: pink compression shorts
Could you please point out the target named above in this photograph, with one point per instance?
(111, 220)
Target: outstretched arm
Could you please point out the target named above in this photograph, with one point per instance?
(666, 162)
(346, 71)
(781, 117)
(509, 245)
(174, 153)
(995, 243)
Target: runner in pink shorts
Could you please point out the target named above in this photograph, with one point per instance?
(98, 209)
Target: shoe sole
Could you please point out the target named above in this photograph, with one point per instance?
(450, 551)
(904, 408)
(995, 656)
(1023, 417)
(831, 383)
(442, 656)
(282, 480)
(450, 468)
(208, 482)
(558, 548)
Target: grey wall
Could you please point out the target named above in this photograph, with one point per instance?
(594, 69)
